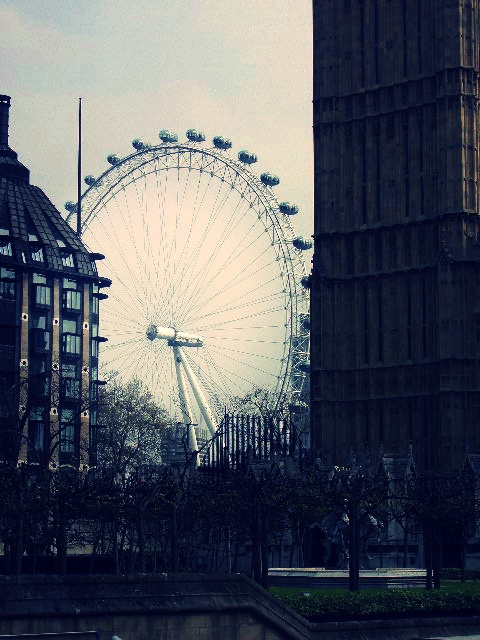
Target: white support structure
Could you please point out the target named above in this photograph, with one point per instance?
(177, 340)
(198, 393)
(185, 402)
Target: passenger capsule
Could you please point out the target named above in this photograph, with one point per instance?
(246, 157)
(138, 144)
(70, 206)
(195, 136)
(288, 208)
(167, 136)
(113, 159)
(302, 243)
(269, 180)
(89, 180)
(222, 143)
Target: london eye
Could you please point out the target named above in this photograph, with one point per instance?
(206, 299)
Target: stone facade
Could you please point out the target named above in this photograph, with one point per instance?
(395, 303)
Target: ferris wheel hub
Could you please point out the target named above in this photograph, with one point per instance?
(174, 338)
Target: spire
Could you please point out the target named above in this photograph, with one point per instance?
(10, 167)
(4, 109)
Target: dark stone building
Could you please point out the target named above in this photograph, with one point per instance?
(395, 296)
(49, 298)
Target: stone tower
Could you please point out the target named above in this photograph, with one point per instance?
(395, 296)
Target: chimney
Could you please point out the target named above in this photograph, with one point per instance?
(4, 109)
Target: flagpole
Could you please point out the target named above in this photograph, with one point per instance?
(79, 170)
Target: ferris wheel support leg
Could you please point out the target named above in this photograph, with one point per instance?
(197, 392)
(185, 401)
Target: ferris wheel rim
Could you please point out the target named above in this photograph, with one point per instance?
(279, 226)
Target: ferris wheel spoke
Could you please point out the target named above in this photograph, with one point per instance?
(210, 260)
(195, 243)
(123, 251)
(217, 286)
(262, 303)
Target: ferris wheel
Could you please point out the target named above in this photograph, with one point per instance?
(208, 295)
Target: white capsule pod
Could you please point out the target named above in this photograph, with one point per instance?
(269, 180)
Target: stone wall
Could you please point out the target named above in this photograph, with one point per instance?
(186, 607)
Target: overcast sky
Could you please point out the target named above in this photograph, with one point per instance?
(241, 69)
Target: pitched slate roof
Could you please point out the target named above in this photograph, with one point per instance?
(30, 222)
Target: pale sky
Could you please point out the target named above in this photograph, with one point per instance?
(237, 69)
(242, 70)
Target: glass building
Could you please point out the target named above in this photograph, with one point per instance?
(49, 336)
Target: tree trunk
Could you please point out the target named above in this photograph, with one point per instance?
(256, 548)
(436, 559)
(427, 543)
(61, 540)
(141, 541)
(264, 547)
(173, 540)
(18, 545)
(405, 547)
(463, 571)
(353, 547)
(228, 559)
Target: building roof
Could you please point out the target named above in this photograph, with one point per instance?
(32, 231)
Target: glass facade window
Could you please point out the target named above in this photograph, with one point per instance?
(7, 284)
(6, 248)
(72, 300)
(39, 278)
(70, 370)
(72, 344)
(67, 259)
(70, 389)
(67, 430)
(93, 396)
(7, 341)
(41, 340)
(37, 427)
(38, 320)
(40, 377)
(69, 325)
(43, 296)
(37, 254)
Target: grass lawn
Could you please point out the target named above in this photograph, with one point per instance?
(317, 605)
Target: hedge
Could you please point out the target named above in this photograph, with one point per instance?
(321, 606)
